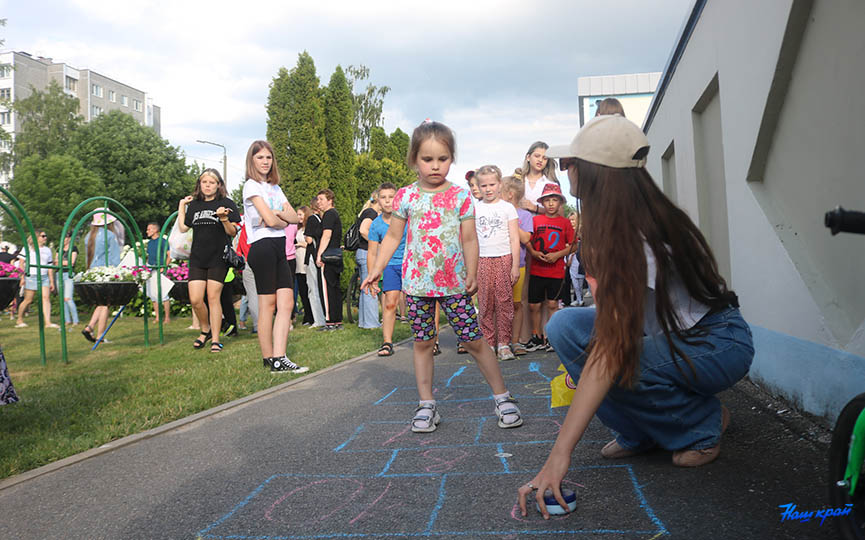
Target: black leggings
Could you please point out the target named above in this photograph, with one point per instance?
(332, 292)
(303, 291)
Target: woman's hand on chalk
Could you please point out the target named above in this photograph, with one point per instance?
(550, 477)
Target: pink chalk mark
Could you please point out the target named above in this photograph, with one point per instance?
(397, 436)
(442, 465)
(383, 493)
(268, 515)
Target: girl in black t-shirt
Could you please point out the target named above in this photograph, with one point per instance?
(213, 217)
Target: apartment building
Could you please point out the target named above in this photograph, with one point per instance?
(97, 94)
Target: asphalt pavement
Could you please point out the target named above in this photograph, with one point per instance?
(331, 455)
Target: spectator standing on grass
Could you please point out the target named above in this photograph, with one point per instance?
(331, 238)
(45, 258)
(300, 273)
(249, 302)
(212, 216)
(312, 234)
(367, 311)
(158, 253)
(291, 257)
(102, 245)
(69, 258)
(268, 213)
(392, 273)
(666, 336)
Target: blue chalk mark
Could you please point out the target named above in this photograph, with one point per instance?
(438, 506)
(644, 504)
(240, 505)
(389, 462)
(480, 429)
(534, 366)
(466, 400)
(353, 435)
(386, 396)
(504, 459)
(457, 373)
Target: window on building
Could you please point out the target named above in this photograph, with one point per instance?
(112, 96)
(71, 84)
(6, 118)
(136, 104)
(5, 93)
(124, 101)
(95, 110)
(5, 71)
(5, 145)
(96, 90)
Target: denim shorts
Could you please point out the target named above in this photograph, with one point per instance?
(30, 282)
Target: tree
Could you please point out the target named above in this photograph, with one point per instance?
(137, 167)
(397, 148)
(298, 109)
(378, 142)
(339, 138)
(50, 188)
(278, 106)
(367, 107)
(48, 123)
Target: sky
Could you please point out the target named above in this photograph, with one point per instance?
(501, 74)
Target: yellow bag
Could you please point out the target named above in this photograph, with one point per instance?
(562, 388)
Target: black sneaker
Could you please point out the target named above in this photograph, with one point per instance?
(284, 365)
(547, 346)
(535, 343)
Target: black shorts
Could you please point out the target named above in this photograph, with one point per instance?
(544, 288)
(268, 263)
(214, 273)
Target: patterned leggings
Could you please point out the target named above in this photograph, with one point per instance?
(495, 294)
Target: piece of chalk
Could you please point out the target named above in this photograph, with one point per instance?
(553, 506)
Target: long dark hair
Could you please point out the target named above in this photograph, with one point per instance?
(622, 210)
(221, 192)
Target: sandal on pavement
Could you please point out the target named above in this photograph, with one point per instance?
(461, 349)
(437, 350)
(702, 456)
(386, 349)
(505, 407)
(426, 419)
(216, 347)
(202, 339)
(87, 332)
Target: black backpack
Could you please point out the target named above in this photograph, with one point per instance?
(351, 240)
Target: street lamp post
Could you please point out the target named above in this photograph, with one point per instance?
(224, 159)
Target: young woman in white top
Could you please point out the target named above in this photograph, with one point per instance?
(266, 215)
(667, 334)
(537, 171)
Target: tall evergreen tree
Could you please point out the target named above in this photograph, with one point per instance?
(398, 146)
(305, 169)
(340, 148)
(278, 107)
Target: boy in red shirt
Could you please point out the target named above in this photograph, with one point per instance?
(552, 239)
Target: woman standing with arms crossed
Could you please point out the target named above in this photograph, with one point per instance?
(268, 213)
(667, 334)
(213, 217)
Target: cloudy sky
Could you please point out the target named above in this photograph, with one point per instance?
(500, 73)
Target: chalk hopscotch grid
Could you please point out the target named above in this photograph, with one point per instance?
(429, 532)
(442, 493)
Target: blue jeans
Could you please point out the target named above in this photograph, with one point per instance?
(664, 407)
(70, 309)
(367, 311)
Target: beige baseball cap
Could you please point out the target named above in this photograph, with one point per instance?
(610, 140)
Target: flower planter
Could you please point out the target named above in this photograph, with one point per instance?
(180, 292)
(8, 290)
(107, 293)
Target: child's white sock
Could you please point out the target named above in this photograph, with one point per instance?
(507, 418)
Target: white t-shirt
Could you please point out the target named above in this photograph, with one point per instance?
(45, 257)
(273, 197)
(532, 194)
(687, 310)
(491, 222)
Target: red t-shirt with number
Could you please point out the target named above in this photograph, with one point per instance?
(551, 234)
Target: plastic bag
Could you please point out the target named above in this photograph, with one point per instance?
(179, 244)
(562, 388)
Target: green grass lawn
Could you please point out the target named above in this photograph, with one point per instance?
(124, 388)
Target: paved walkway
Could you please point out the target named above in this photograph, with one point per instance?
(331, 456)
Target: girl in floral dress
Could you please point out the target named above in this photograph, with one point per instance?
(439, 267)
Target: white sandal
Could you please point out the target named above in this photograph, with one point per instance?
(505, 407)
(426, 419)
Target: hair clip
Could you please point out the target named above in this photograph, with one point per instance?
(427, 121)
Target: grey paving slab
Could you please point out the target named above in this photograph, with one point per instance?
(332, 457)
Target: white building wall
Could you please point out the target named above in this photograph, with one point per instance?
(799, 287)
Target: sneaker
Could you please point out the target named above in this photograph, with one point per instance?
(505, 353)
(535, 343)
(547, 347)
(519, 349)
(506, 407)
(284, 365)
(426, 418)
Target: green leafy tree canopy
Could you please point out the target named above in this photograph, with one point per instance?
(48, 123)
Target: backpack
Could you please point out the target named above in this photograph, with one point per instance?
(351, 240)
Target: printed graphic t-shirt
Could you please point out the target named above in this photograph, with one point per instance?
(208, 235)
(273, 197)
(550, 235)
(433, 264)
(491, 221)
(377, 232)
